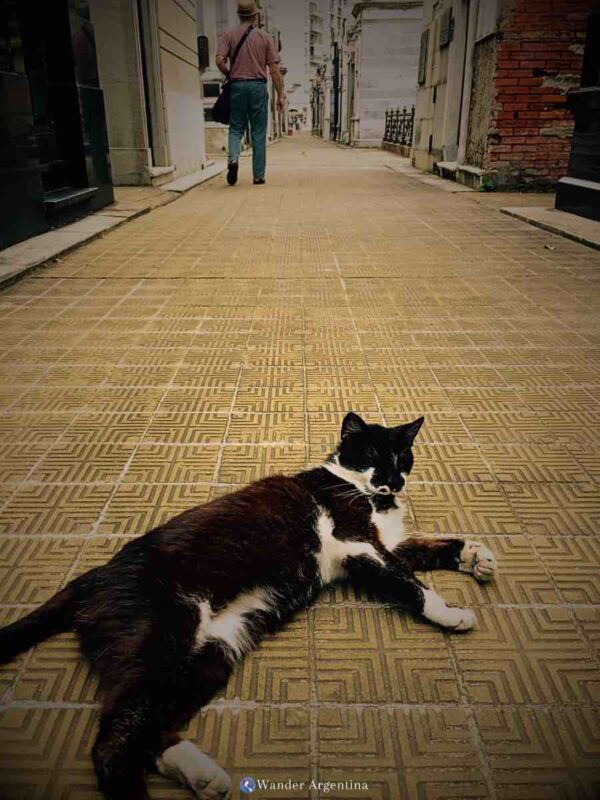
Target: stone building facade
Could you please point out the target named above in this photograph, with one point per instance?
(493, 80)
(329, 78)
(149, 71)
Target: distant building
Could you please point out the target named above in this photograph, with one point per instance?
(327, 78)
(370, 64)
(493, 81)
(382, 61)
(317, 33)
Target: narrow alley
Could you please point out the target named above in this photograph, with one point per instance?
(222, 338)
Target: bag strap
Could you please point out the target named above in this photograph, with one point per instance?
(239, 47)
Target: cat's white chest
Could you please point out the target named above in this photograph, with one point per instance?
(390, 526)
(330, 558)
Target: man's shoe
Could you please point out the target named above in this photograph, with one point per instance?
(259, 181)
(232, 173)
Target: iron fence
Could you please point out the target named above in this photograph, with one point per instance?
(399, 125)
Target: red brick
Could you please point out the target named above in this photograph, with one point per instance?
(529, 63)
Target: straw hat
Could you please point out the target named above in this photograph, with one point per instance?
(247, 9)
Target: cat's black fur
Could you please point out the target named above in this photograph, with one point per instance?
(138, 616)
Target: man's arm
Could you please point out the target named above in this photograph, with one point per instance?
(221, 64)
(223, 53)
(278, 83)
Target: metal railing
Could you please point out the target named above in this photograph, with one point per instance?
(399, 125)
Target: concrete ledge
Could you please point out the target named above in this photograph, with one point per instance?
(570, 226)
(404, 168)
(401, 149)
(187, 182)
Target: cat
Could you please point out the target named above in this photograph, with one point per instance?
(165, 621)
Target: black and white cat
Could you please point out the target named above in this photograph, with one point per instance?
(165, 621)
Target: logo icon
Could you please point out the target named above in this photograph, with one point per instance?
(248, 785)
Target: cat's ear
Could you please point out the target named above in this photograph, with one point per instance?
(406, 434)
(352, 424)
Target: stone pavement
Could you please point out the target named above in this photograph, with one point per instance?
(221, 338)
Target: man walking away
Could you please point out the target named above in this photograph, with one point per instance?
(249, 95)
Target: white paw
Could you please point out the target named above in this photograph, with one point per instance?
(485, 564)
(478, 560)
(460, 619)
(436, 610)
(188, 765)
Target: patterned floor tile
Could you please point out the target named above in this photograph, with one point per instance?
(244, 463)
(176, 359)
(574, 565)
(33, 569)
(61, 509)
(462, 508)
(556, 508)
(137, 507)
(450, 463)
(166, 463)
(46, 753)
(527, 655)
(533, 463)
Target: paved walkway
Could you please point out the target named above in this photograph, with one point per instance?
(221, 338)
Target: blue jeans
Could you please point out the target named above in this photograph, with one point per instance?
(249, 106)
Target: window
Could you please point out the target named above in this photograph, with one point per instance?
(423, 57)
(488, 13)
(203, 55)
(446, 28)
(211, 89)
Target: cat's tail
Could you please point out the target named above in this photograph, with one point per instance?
(55, 616)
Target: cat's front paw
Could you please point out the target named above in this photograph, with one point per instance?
(478, 560)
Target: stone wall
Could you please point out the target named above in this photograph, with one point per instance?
(481, 103)
(120, 72)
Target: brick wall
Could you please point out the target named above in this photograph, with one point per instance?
(539, 59)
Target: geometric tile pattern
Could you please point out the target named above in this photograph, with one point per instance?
(220, 339)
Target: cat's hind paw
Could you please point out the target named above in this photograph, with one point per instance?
(460, 619)
(478, 560)
(188, 765)
(452, 618)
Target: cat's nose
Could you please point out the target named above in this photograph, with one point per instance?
(396, 484)
(384, 490)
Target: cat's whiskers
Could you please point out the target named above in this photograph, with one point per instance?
(350, 493)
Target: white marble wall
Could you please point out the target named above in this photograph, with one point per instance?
(181, 86)
(387, 55)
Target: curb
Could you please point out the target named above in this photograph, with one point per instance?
(525, 215)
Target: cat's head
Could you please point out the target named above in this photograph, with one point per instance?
(375, 459)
